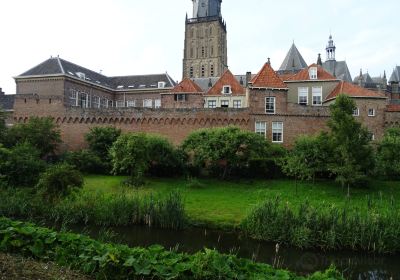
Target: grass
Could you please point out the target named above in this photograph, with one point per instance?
(226, 204)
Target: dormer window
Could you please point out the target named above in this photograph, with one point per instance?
(81, 75)
(226, 90)
(161, 84)
(313, 73)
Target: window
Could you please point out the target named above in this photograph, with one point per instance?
(224, 103)
(157, 103)
(212, 103)
(191, 72)
(237, 103)
(202, 71)
(73, 98)
(372, 136)
(226, 90)
(84, 100)
(191, 52)
(212, 70)
(313, 73)
(202, 52)
(261, 128)
(110, 103)
(103, 103)
(96, 102)
(371, 112)
(303, 95)
(356, 112)
(180, 97)
(119, 104)
(130, 103)
(148, 103)
(270, 105)
(161, 84)
(277, 132)
(317, 96)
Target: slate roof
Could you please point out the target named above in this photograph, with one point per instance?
(366, 78)
(227, 79)
(6, 101)
(338, 69)
(268, 78)
(303, 75)
(187, 86)
(58, 66)
(353, 91)
(205, 83)
(395, 77)
(293, 60)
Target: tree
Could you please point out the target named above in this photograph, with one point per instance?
(130, 155)
(3, 128)
(101, 139)
(352, 153)
(58, 181)
(20, 166)
(40, 133)
(388, 154)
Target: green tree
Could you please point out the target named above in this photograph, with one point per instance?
(130, 155)
(388, 154)
(40, 133)
(352, 153)
(20, 165)
(3, 128)
(101, 139)
(58, 181)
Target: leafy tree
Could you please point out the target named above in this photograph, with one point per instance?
(20, 166)
(86, 161)
(40, 133)
(352, 153)
(58, 181)
(224, 149)
(101, 139)
(130, 155)
(388, 154)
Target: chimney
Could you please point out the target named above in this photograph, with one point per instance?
(248, 78)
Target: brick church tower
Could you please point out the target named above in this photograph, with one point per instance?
(205, 53)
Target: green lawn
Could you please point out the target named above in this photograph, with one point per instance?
(222, 203)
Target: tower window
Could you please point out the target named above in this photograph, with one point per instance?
(202, 51)
(212, 50)
(191, 72)
(191, 52)
(202, 71)
(212, 70)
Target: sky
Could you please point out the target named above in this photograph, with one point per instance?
(132, 37)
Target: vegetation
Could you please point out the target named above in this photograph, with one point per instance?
(325, 226)
(106, 261)
(388, 155)
(87, 162)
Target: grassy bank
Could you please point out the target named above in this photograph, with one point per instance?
(109, 261)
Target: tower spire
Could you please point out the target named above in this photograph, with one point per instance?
(330, 49)
(206, 8)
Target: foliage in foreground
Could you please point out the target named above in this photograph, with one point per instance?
(326, 226)
(109, 261)
(388, 155)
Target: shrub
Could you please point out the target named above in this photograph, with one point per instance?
(86, 161)
(58, 181)
(101, 139)
(388, 155)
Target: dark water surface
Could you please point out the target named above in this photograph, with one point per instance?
(354, 265)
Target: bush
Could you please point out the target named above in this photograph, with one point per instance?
(58, 181)
(86, 161)
(110, 261)
(388, 155)
(20, 166)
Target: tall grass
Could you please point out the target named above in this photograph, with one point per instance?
(84, 207)
(326, 226)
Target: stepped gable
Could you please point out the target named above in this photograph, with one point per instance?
(293, 60)
(353, 91)
(304, 75)
(227, 79)
(268, 78)
(187, 86)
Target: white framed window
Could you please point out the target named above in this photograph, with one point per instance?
(226, 90)
(130, 103)
(237, 103)
(119, 104)
(371, 112)
(104, 103)
(110, 104)
(313, 73)
(157, 103)
(277, 132)
(303, 95)
(148, 103)
(356, 112)
(224, 103)
(73, 98)
(84, 100)
(96, 102)
(180, 97)
(212, 103)
(161, 84)
(317, 96)
(270, 105)
(261, 128)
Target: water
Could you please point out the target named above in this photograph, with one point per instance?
(354, 265)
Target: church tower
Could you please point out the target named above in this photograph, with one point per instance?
(330, 49)
(205, 52)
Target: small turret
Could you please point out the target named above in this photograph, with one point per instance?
(330, 49)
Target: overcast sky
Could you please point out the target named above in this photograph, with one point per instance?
(128, 37)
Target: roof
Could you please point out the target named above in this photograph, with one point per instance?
(6, 101)
(395, 77)
(353, 91)
(293, 60)
(338, 69)
(187, 86)
(304, 75)
(205, 83)
(58, 66)
(393, 108)
(268, 78)
(227, 79)
(365, 78)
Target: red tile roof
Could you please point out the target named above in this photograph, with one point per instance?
(227, 79)
(286, 77)
(303, 75)
(267, 78)
(353, 91)
(393, 108)
(187, 86)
